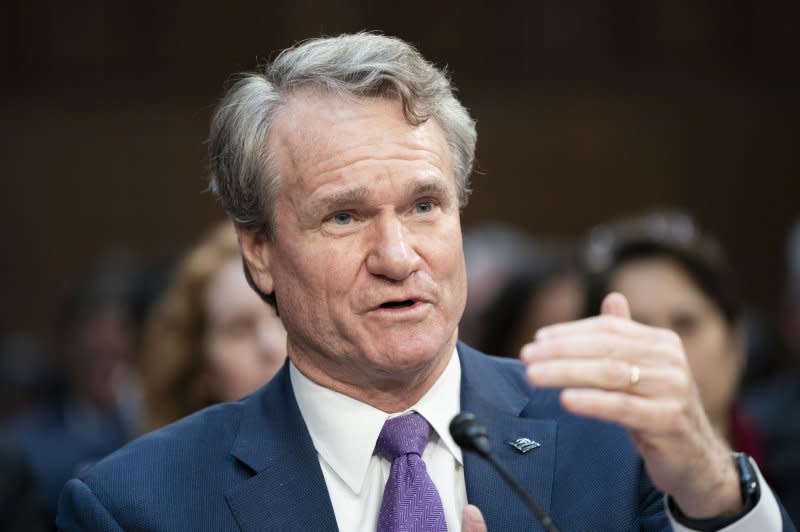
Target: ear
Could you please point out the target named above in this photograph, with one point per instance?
(256, 250)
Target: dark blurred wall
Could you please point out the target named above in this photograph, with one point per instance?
(586, 110)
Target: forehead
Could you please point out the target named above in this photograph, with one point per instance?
(652, 282)
(317, 132)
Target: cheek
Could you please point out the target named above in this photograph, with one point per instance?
(318, 269)
(340, 270)
(443, 249)
(219, 354)
(236, 367)
(449, 273)
(702, 352)
(318, 287)
(712, 361)
(453, 269)
(714, 348)
(459, 288)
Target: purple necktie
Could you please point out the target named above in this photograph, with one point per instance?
(410, 500)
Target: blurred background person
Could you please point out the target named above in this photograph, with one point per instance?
(209, 338)
(549, 290)
(20, 504)
(30, 382)
(87, 403)
(775, 399)
(675, 276)
(494, 254)
(29, 389)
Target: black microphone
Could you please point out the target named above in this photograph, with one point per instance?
(471, 435)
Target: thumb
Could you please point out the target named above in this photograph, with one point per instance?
(615, 304)
(472, 520)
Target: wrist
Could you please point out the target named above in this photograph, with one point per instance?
(749, 496)
(722, 497)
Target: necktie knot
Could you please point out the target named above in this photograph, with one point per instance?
(410, 500)
(403, 435)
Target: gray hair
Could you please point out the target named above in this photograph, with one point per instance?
(243, 175)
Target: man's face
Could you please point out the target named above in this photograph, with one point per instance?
(366, 261)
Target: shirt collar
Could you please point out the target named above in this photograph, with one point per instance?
(344, 430)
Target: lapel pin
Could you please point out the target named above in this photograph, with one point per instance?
(523, 445)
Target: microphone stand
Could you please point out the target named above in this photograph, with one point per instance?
(530, 502)
(471, 435)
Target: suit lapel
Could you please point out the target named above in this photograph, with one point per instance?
(288, 490)
(498, 400)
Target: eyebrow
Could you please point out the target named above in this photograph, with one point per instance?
(347, 198)
(431, 186)
(341, 199)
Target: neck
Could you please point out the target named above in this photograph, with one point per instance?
(387, 389)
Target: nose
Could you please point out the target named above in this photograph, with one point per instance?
(391, 254)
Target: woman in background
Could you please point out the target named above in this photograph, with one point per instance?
(675, 276)
(209, 338)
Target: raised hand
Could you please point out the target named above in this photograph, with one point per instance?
(615, 369)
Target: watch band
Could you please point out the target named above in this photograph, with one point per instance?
(751, 493)
(748, 481)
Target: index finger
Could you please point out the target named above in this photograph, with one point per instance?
(605, 324)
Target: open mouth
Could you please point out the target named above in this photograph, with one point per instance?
(397, 304)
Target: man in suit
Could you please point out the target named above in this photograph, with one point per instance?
(345, 166)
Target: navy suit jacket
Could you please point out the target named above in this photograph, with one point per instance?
(251, 466)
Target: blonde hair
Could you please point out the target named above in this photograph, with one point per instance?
(173, 362)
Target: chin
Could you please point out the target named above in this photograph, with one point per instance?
(408, 352)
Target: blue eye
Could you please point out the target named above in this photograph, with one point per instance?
(424, 206)
(342, 218)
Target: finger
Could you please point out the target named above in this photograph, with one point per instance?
(615, 304)
(632, 412)
(472, 520)
(653, 351)
(605, 323)
(605, 374)
(612, 375)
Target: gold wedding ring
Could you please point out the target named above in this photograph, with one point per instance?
(636, 373)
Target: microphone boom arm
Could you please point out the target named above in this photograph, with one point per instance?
(471, 435)
(530, 502)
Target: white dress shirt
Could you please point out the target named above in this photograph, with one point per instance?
(764, 517)
(344, 432)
